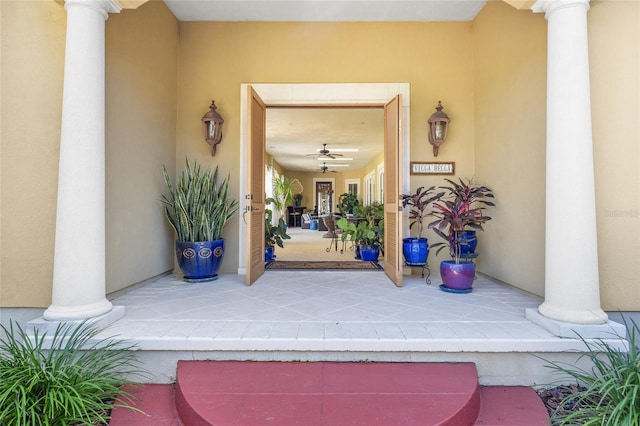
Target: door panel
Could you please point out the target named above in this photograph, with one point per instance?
(256, 119)
(392, 191)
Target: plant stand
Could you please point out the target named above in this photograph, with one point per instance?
(422, 267)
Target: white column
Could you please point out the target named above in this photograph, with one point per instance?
(79, 260)
(572, 291)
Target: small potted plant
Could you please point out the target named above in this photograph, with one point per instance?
(273, 235)
(366, 231)
(297, 200)
(416, 249)
(455, 212)
(347, 202)
(478, 195)
(198, 208)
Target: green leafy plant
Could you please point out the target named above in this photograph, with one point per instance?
(367, 227)
(70, 378)
(611, 392)
(199, 205)
(274, 234)
(283, 189)
(347, 203)
(455, 211)
(419, 202)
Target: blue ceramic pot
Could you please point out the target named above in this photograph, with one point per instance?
(369, 253)
(415, 251)
(268, 254)
(200, 261)
(468, 242)
(457, 277)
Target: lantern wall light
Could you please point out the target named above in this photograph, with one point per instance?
(438, 128)
(212, 122)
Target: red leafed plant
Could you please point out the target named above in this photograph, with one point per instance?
(456, 211)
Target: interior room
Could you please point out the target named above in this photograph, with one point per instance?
(326, 152)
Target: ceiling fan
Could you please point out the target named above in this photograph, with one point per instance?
(325, 168)
(324, 152)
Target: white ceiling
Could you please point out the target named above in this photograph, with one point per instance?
(325, 10)
(294, 133)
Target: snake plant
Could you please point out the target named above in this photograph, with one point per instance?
(199, 204)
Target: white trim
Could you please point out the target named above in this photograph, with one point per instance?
(319, 94)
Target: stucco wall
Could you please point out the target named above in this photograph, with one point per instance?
(141, 99)
(141, 85)
(32, 42)
(614, 53)
(216, 57)
(510, 136)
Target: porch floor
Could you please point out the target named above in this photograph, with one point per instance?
(334, 316)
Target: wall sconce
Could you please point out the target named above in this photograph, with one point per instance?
(438, 128)
(212, 122)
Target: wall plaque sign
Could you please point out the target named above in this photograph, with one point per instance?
(433, 168)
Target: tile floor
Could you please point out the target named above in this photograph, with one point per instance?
(317, 310)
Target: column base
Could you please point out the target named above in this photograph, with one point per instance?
(608, 330)
(73, 313)
(99, 323)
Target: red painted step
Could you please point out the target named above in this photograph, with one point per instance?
(511, 406)
(156, 403)
(232, 393)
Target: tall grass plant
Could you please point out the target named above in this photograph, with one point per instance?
(69, 378)
(199, 205)
(609, 392)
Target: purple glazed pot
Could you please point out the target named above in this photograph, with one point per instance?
(457, 277)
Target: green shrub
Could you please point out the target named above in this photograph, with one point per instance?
(74, 382)
(611, 392)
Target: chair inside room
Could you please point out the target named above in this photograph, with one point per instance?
(306, 221)
(332, 233)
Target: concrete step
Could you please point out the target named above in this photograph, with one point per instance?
(234, 393)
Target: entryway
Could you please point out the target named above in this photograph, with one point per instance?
(323, 94)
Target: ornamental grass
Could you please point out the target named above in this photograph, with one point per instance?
(69, 378)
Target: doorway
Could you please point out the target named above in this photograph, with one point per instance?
(366, 94)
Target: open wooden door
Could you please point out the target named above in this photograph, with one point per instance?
(392, 191)
(256, 135)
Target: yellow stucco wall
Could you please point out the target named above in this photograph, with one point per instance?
(141, 86)
(490, 75)
(141, 101)
(614, 53)
(32, 42)
(216, 57)
(510, 134)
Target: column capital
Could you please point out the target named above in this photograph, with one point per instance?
(104, 7)
(550, 6)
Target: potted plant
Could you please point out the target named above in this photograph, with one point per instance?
(297, 199)
(455, 212)
(283, 189)
(347, 202)
(477, 194)
(416, 249)
(366, 231)
(273, 234)
(198, 208)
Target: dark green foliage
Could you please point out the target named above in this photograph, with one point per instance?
(70, 378)
(274, 234)
(611, 392)
(347, 203)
